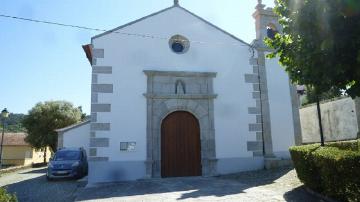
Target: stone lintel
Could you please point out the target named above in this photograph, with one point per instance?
(100, 107)
(180, 96)
(94, 79)
(256, 95)
(102, 88)
(253, 61)
(254, 110)
(98, 53)
(179, 73)
(259, 136)
(94, 97)
(258, 118)
(251, 78)
(102, 70)
(99, 142)
(255, 127)
(93, 117)
(98, 158)
(92, 152)
(254, 145)
(100, 126)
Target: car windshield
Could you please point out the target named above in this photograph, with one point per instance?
(67, 155)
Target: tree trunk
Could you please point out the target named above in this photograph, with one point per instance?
(320, 123)
(45, 155)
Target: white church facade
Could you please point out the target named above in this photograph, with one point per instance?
(185, 99)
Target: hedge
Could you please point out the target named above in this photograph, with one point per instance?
(6, 197)
(333, 170)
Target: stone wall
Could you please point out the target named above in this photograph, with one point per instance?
(357, 107)
(339, 121)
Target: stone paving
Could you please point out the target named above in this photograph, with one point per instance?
(30, 185)
(267, 185)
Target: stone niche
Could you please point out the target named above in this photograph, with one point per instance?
(170, 91)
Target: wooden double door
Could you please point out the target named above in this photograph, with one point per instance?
(180, 145)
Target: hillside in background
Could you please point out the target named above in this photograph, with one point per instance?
(14, 123)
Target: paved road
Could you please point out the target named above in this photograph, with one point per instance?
(31, 185)
(268, 186)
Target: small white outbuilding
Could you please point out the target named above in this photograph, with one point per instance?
(76, 135)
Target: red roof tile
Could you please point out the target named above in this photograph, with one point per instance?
(14, 139)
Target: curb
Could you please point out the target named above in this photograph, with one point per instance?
(13, 169)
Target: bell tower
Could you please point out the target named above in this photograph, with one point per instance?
(266, 24)
(264, 18)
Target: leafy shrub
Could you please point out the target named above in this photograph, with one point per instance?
(333, 170)
(6, 197)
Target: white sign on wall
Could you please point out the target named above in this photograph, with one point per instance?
(127, 146)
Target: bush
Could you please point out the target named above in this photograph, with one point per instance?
(332, 170)
(6, 197)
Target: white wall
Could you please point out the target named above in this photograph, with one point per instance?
(129, 56)
(282, 126)
(78, 137)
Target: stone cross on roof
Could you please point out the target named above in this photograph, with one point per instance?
(176, 2)
(260, 6)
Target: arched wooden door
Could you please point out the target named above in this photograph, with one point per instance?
(180, 145)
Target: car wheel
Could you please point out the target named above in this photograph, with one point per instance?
(79, 175)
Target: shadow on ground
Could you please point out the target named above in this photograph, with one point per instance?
(225, 187)
(43, 170)
(38, 189)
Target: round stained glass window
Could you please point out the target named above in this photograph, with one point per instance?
(179, 44)
(177, 47)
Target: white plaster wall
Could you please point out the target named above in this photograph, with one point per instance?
(338, 119)
(78, 137)
(282, 126)
(129, 56)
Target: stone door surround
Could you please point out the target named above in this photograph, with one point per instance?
(170, 91)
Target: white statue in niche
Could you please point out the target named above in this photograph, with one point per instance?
(180, 87)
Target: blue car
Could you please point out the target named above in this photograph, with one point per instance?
(68, 163)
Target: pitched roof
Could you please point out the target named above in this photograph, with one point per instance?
(62, 130)
(87, 50)
(161, 11)
(14, 139)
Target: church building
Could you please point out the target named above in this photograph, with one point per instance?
(173, 95)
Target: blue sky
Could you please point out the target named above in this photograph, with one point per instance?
(45, 62)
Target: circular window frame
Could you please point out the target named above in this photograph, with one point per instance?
(181, 40)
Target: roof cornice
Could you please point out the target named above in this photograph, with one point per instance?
(166, 9)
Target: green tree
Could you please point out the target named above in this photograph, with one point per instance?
(319, 45)
(312, 96)
(44, 118)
